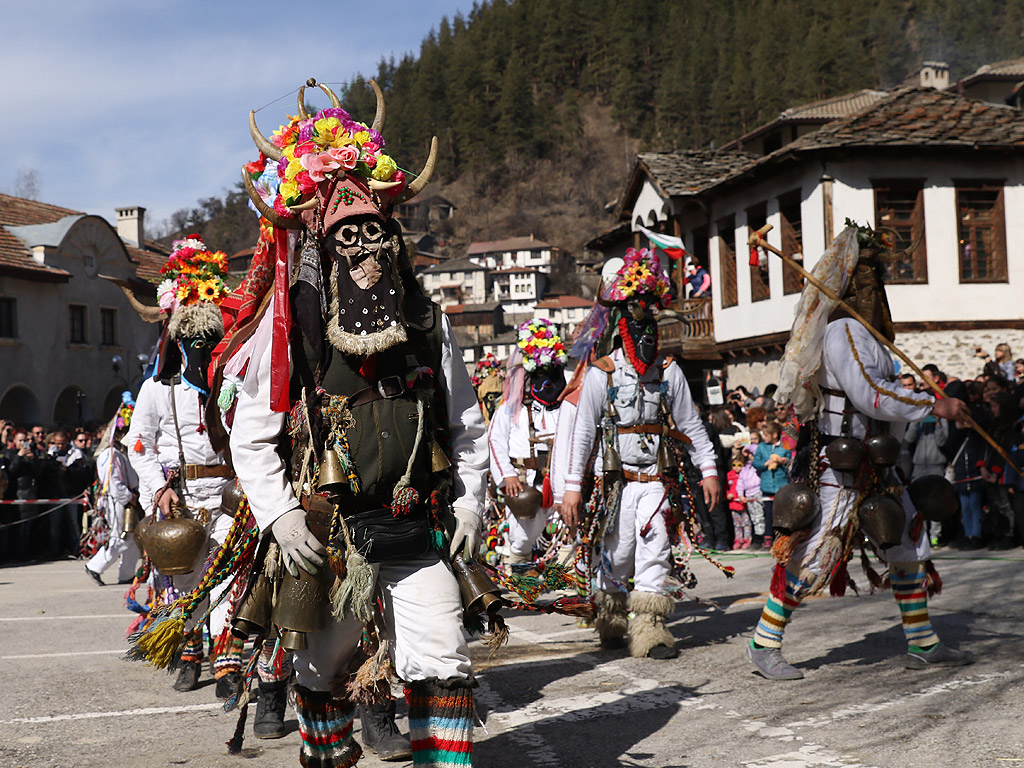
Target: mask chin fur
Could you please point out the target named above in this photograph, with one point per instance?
(371, 343)
(199, 319)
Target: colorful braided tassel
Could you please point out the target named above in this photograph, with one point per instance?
(325, 725)
(440, 722)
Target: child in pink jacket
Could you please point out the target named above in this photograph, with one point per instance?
(744, 487)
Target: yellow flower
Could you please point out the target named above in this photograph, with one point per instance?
(294, 169)
(289, 151)
(384, 169)
(289, 189)
(324, 129)
(208, 289)
(183, 291)
(342, 139)
(362, 137)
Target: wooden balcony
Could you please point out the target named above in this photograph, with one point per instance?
(691, 334)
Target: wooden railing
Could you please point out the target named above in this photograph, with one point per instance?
(692, 327)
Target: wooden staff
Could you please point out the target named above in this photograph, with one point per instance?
(757, 238)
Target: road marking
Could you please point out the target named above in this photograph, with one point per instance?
(807, 756)
(55, 655)
(123, 713)
(125, 615)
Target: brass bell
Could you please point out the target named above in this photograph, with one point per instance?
(253, 615)
(667, 464)
(301, 605)
(479, 593)
(438, 459)
(293, 641)
(131, 519)
(231, 498)
(845, 453)
(525, 505)
(934, 497)
(794, 508)
(332, 479)
(882, 519)
(175, 545)
(883, 450)
(611, 461)
(140, 530)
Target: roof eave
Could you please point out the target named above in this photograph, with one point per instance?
(36, 275)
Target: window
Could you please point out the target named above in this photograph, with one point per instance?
(899, 206)
(727, 260)
(76, 324)
(108, 327)
(8, 318)
(792, 241)
(757, 216)
(981, 230)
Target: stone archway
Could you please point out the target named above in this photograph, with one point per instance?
(71, 406)
(21, 406)
(111, 403)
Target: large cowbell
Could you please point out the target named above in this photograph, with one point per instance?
(365, 287)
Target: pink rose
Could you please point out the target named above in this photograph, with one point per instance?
(371, 146)
(305, 182)
(345, 156)
(168, 301)
(370, 160)
(318, 165)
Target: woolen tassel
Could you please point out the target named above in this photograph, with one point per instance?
(235, 743)
(355, 593)
(371, 683)
(778, 586)
(159, 645)
(871, 573)
(934, 581)
(497, 631)
(548, 498)
(840, 578)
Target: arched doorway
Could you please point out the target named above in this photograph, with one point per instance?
(20, 405)
(71, 406)
(111, 403)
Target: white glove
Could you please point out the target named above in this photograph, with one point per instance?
(467, 534)
(299, 547)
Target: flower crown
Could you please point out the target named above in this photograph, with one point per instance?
(487, 365)
(327, 145)
(191, 275)
(640, 274)
(540, 345)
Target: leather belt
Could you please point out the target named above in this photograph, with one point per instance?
(531, 463)
(200, 471)
(640, 477)
(387, 388)
(833, 392)
(654, 429)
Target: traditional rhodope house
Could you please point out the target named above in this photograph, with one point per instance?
(514, 252)
(70, 343)
(931, 164)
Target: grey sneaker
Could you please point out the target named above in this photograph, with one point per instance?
(769, 663)
(939, 656)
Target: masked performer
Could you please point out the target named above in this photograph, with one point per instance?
(169, 446)
(357, 436)
(488, 381)
(636, 400)
(522, 431)
(836, 371)
(117, 484)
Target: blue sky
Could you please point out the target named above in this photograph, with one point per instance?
(129, 102)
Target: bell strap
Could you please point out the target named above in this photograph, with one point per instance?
(387, 388)
(654, 429)
(640, 477)
(200, 471)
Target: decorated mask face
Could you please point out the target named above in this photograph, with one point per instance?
(546, 385)
(196, 353)
(640, 335)
(490, 402)
(366, 291)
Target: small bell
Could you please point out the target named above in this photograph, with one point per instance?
(611, 462)
(479, 593)
(332, 477)
(667, 464)
(438, 460)
(293, 641)
(129, 521)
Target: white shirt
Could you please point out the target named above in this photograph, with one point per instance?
(256, 430)
(508, 440)
(152, 429)
(856, 363)
(116, 476)
(637, 401)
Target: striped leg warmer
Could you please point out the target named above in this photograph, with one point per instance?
(274, 667)
(227, 654)
(325, 725)
(776, 613)
(909, 582)
(193, 649)
(440, 722)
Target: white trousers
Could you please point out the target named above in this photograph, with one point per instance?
(645, 557)
(116, 547)
(524, 532)
(423, 621)
(837, 495)
(186, 582)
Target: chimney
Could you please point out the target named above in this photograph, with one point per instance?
(934, 74)
(130, 224)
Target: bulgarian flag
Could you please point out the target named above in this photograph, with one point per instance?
(673, 246)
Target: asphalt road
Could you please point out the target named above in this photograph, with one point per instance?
(552, 698)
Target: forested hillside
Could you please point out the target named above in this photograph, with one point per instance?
(540, 104)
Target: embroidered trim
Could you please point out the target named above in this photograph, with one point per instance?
(874, 386)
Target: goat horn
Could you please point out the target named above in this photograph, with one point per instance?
(146, 312)
(416, 185)
(378, 118)
(265, 210)
(383, 186)
(306, 206)
(267, 147)
(301, 106)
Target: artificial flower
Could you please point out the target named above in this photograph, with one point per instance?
(385, 169)
(345, 156)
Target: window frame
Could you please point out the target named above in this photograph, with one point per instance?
(112, 341)
(12, 302)
(918, 226)
(727, 261)
(1001, 272)
(792, 240)
(72, 340)
(760, 285)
